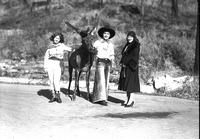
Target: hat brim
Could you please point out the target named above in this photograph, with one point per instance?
(105, 29)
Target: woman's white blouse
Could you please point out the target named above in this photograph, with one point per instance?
(57, 51)
(105, 49)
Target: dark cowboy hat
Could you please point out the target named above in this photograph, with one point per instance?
(106, 29)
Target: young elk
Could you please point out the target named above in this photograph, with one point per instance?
(81, 59)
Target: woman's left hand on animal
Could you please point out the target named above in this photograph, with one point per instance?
(113, 65)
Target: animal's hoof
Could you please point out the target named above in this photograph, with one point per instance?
(73, 98)
(90, 98)
(52, 100)
(79, 94)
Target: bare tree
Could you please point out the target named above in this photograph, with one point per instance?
(161, 3)
(142, 7)
(100, 3)
(25, 3)
(142, 10)
(174, 8)
(196, 63)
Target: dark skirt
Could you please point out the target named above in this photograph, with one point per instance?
(129, 80)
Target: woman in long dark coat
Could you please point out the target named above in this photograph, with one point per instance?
(129, 77)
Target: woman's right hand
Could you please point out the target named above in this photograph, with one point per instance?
(45, 69)
(122, 65)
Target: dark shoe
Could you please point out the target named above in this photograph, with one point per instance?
(53, 97)
(123, 104)
(104, 103)
(58, 98)
(131, 105)
(52, 100)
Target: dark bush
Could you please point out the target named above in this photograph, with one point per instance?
(181, 53)
(22, 47)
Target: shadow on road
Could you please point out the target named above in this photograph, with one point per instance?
(47, 94)
(115, 100)
(139, 115)
(110, 98)
(65, 91)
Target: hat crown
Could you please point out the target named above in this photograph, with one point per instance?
(106, 29)
(131, 33)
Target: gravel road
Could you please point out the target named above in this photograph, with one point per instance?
(26, 114)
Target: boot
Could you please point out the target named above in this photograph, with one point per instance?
(58, 97)
(53, 97)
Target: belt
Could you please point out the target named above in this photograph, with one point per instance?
(55, 58)
(104, 60)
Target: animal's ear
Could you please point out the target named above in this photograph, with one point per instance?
(73, 27)
(88, 29)
(93, 30)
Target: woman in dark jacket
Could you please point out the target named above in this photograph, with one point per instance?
(129, 77)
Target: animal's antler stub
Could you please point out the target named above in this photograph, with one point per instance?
(73, 27)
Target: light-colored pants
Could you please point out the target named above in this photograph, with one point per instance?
(101, 83)
(54, 73)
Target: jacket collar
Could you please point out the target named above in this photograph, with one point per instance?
(129, 46)
(104, 41)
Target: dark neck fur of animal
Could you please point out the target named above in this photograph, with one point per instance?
(86, 36)
(86, 40)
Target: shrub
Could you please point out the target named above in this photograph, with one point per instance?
(190, 90)
(22, 47)
(110, 11)
(119, 41)
(181, 51)
(151, 50)
(165, 52)
(14, 47)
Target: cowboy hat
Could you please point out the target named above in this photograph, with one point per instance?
(106, 29)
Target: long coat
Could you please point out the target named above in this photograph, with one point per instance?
(129, 75)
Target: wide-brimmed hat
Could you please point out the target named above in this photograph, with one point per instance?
(106, 29)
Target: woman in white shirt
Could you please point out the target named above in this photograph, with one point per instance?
(52, 64)
(105, 58)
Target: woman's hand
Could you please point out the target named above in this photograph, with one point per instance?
(113, 64)
(122, 65)
(45, 69)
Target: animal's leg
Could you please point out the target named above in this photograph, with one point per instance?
(78, 91)
(70, 78)
(88, 83)
(76, 84)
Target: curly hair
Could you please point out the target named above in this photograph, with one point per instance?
(133, 34)
(57, 34)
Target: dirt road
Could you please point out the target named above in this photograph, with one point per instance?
(26, 114)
